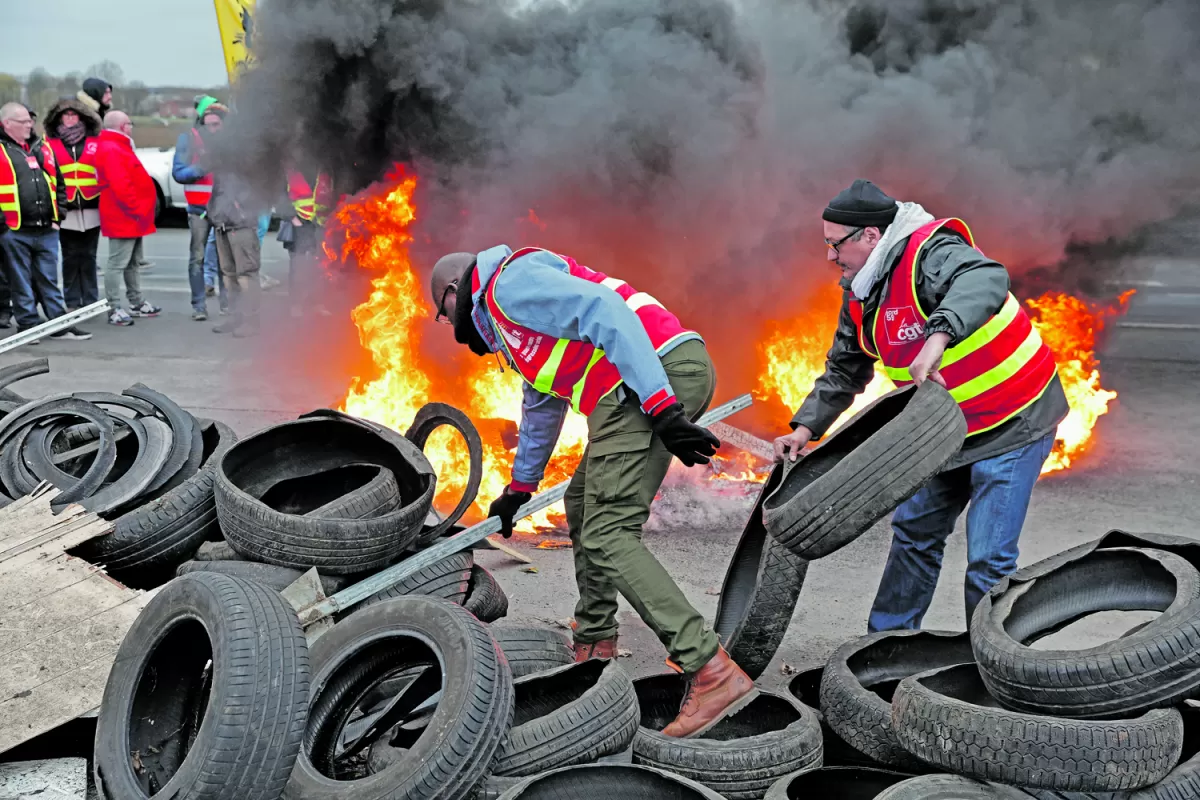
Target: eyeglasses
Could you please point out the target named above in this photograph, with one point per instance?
(441, 306)
(835, 245)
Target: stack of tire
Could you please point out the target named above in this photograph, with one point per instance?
(1009, 718)
(348, 497)
(135, 458)
(215, 693)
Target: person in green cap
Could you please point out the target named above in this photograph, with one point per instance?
(190, 170)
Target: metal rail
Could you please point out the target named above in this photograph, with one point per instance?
(55, 325)
(464, 539)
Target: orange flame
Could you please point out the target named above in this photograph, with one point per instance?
(793, 356)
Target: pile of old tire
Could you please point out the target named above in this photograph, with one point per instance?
(1009, 717)
(135, 458)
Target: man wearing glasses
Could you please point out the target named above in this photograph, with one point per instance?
(920, 298)
(583, 340)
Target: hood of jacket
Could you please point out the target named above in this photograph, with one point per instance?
(87, 115)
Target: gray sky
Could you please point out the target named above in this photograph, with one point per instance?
(159, 42)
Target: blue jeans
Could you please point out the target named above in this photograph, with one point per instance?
(32, 255)
(212, 270)
(997, 491)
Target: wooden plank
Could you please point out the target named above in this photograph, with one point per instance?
(81, 601)
(63, 651)
(51, 704)
(24, 582)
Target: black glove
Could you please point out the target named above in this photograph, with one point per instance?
(505, 507)
(686, 440)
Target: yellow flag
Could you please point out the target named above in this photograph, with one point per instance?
(235, 19)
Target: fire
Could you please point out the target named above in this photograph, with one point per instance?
(1068, 326)
(373, 232)
(793, 356)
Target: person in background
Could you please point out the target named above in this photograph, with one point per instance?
(96, 94)
(234, 214)
(72, 129)
(313, 199)
(196, 177)
(127, 199)
(31, 191)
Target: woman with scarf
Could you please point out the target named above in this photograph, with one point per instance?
(920, 298)
(71, 130)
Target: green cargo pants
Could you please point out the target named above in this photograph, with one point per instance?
(608, 501)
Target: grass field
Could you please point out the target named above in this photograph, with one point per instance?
(151, 132)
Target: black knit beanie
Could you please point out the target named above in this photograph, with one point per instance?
(863, 205)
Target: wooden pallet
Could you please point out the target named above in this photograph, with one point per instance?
(61, 618)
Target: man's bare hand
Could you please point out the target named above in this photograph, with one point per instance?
(788, 447)
(928, 363)
(296, 221)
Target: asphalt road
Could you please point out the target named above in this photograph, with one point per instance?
(1142, 475)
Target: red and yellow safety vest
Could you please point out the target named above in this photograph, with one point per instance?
(200, 192)
(576, 371)
(312, 203)
(10, 203)
(79, 175)
(994, 374)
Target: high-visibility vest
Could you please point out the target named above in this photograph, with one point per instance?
(10, 202)
(79, 175)
(198, 193)
(573, 370)
(312, 203)
(993, 374)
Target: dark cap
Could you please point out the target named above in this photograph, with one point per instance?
(863, 205)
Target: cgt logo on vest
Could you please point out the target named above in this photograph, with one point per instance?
(903, 325)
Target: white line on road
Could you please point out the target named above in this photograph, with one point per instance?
(1161, 326)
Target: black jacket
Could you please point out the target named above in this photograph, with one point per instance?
(33, 191)
(966, 289)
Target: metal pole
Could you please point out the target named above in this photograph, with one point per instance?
(68, 320)
(465, 539)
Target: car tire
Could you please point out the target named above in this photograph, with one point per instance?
(843, 783)
(759, 592)
(485, 597)
(468, 723)
(874, 462)
(860, 676)
(741, 756)
(592, 781)
(530, 650)
(1095, 682)
(947, 718)
(164, 730)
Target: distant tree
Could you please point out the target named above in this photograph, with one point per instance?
(41, 89)
(10, 88)
(69, 84)
(133, 97)
(109, 71)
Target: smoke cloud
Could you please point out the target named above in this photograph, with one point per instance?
(689, 145)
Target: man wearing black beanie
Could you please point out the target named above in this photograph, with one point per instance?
(920, 298)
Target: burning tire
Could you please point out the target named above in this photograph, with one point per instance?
(207, 696)
(1095, 682)
(486, 598)
(947, 718)
(740, 756)
(857, 686)
(421, 678)
(759, 593)
(950, 787)
(531, 650)
(878, 459)
(609, 780)
(448, 579)
(570, 715)
(165, 532)
(844, 783)
(314, 444)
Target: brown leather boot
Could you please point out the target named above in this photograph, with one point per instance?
(718, 689)
(605, 648)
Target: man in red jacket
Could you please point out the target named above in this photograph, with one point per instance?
(126, 215)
